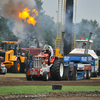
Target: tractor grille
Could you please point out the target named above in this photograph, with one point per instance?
(37, 62)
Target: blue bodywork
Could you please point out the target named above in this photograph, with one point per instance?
(79, 60)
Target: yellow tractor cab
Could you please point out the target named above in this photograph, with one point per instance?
(9, 45)
(14, 60)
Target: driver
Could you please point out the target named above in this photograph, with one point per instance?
(47, 48)
(84, 45)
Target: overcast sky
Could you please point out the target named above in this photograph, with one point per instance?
(86, 9)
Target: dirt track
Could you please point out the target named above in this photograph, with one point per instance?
(20, 80)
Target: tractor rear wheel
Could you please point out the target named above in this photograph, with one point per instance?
(16, 67)
(45, 76)
(57, 70)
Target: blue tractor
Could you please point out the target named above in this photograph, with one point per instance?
(80, 63)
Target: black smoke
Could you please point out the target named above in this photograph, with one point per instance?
(68, 37)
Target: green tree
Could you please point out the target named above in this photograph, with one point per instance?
(5, 33)
(49, 30)
(39, 5)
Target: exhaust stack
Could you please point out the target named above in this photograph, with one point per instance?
(68, 37)
(62, 43)
(87, 46)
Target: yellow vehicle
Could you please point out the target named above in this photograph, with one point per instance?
(14, 59)
(57, 48)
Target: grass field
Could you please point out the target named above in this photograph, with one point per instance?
(45, 89)
(41, 89)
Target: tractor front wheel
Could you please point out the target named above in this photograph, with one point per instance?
(45, 76)
(88, 74)
(85, 74)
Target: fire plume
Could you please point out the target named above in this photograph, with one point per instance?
(25, 15)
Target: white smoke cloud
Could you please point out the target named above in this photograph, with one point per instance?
(10, 9)
(18, 30)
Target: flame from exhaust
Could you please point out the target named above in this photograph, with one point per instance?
(25, 15)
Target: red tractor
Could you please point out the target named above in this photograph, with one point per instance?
(41, 64)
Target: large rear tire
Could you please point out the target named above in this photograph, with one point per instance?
(23, 67)
(16, 67)
(57, 70)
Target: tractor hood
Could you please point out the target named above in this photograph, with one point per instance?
(78, 51)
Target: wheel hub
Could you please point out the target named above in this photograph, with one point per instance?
(61, 70)
(89, 74)
(84, 74)
(18, 66)
(47, 76)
